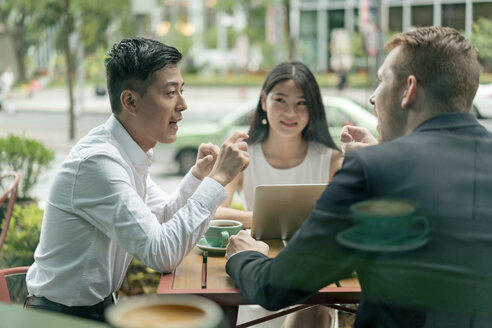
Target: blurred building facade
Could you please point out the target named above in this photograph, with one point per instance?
(308, 25)
(216, 35)
(317, 18)
(300, 29)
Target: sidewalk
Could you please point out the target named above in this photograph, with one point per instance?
(203, 101)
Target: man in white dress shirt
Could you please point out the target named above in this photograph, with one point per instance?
(104, 209)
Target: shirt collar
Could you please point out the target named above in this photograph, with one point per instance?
(139, 159)
(446, 121)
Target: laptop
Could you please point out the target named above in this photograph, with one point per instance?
(279, 210)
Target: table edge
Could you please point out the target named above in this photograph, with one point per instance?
(233, 296)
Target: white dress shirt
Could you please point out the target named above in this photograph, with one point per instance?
(103, 210)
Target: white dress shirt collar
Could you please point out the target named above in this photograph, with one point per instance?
(140, 160)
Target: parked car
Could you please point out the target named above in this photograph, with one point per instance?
(482, 104)
(339, 112)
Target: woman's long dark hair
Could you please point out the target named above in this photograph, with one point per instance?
(317, 128)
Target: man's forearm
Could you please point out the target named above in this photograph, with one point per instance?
(252, 273)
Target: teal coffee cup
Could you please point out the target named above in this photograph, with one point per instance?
(219, 232)
(387, 222)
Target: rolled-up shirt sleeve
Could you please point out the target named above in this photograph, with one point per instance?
(118, 211)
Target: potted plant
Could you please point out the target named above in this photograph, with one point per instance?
(28, 157)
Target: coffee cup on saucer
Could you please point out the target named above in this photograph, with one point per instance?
(219, 232)
(165, 311)
(387, 222)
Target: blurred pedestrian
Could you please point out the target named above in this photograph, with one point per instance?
(6, 83)
(342, 80)
(341, 55)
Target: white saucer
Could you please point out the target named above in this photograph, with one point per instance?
(410, 244)
(204, 245)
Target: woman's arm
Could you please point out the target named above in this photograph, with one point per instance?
(224, 212)
(335, 162)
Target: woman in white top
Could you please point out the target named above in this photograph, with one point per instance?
(288, 143)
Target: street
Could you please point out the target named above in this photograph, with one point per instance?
(52, 128)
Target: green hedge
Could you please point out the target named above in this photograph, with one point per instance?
(22, 236)
(327, 80)
(486, 78)
(20, 244)
(139, 279)
(28, 157)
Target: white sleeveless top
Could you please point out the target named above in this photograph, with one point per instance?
(314, 169)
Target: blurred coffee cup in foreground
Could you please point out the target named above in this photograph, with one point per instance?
(165, 311)
(388, 221)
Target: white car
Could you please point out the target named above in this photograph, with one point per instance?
(482, 104)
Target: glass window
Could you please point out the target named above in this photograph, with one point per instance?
(308, 42)
(336, 19)
(422, 16)
(482, 10)
(395, 18)
(454, 15)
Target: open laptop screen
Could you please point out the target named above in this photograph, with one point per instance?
(279, 210)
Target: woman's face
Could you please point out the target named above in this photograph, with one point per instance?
(286, 109)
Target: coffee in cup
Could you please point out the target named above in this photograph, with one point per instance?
(219, 232)
(382, 207)
(387, 221)
(166, 311)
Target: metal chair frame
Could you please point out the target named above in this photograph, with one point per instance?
(4, 290)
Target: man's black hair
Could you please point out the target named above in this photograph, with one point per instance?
(132, 63)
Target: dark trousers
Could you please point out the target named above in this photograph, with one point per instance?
(94, 312)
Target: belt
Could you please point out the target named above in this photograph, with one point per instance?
(95, 312)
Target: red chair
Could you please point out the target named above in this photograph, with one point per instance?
(4, 290)
(11, 194)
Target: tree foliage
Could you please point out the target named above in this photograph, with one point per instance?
(482, 39)
(26, 20)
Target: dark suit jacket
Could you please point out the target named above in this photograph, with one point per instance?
(445, 167)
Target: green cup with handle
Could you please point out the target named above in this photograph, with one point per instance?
(219, 232)
(388, 221)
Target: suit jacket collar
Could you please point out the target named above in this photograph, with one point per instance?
(447, 121)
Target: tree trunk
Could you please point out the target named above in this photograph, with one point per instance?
(291, 41)
(20, 53)
(18, 37)
(69, 61)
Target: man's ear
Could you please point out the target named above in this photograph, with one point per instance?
(128, 101)
(410, 92)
